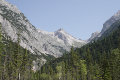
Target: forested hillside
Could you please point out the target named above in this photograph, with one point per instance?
(15, 61)
(98, 60)
(28, 53)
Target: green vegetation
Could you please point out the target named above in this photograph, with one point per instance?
(15, 63)
(99, 60)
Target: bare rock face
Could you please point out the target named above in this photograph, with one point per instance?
(115, 19)
(109, 22)
(93, 35)
(36, 41)
(68, 39)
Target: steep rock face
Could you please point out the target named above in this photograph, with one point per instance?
(110, 21)
(110, 25)
(93, 35)
(61, 36)
(37, 41)
(68, 39)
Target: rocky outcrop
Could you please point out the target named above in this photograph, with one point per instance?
(36, 41)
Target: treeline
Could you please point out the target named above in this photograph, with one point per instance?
(15, 61)
(99, 60)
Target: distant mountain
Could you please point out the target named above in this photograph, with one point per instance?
(93, 35)
(110, 22)
(68, 39)
(108, 27)
(36, 41)
(99, 60)
(64, 37)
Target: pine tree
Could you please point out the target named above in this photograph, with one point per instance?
(83, 70)
(24, 63)
(114, 64)
(1, 51)
(17, 59)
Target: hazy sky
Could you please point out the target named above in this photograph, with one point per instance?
(79, 18)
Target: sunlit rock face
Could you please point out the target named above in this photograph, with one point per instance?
(110, 23)
(93, 35)
(36, 41)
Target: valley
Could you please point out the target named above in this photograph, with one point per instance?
(28, 53)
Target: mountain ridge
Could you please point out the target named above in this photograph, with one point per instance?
(115, 19)
(36, 41)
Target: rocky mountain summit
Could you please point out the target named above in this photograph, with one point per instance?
(110, 24)
(110, 21)
(93, 35)
(35, 40)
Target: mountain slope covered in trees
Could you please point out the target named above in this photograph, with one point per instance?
(15, 61)
(36, 41)
(98, 60)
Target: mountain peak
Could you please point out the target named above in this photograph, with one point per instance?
(107, 25)
(36, 41)
(67, 38)
(110, 21)
(9, 6)
(117, 14)
(61, 29)
(93, 35)
(1, 0)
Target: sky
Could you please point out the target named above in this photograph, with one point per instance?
(80, 18)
